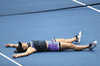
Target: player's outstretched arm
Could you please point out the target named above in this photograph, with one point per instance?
(11, 45)
(29, 51)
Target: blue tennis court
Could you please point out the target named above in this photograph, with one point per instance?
(16, 24)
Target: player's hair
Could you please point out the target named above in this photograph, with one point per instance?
(19, 48)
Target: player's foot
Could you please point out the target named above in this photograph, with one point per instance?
(78, 37)
(92, 45)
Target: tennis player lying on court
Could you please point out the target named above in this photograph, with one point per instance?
(52, 45)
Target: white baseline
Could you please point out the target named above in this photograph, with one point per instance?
(87, 6)
(10, 59)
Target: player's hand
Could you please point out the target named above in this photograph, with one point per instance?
(7, 45)
(16, 56)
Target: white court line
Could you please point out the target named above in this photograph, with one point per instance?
(10, 59)
(87, 6)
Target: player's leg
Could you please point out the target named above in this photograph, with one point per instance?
(71, 40)
(77, 38)
(77, 47)
(72, 46)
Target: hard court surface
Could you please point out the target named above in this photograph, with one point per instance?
(47, 25)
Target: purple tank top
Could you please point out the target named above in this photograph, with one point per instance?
(53, 45)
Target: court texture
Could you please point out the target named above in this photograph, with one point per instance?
(26, 20)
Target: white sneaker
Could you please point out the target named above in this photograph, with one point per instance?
(78, 37)
(92, 45)
(95, 42)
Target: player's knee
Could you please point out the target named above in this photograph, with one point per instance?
(72, 46)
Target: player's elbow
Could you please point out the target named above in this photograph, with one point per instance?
(27, 53)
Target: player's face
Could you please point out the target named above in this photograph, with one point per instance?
(24, 45)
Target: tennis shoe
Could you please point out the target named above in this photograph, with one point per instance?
(92, 45)
(78, 37)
